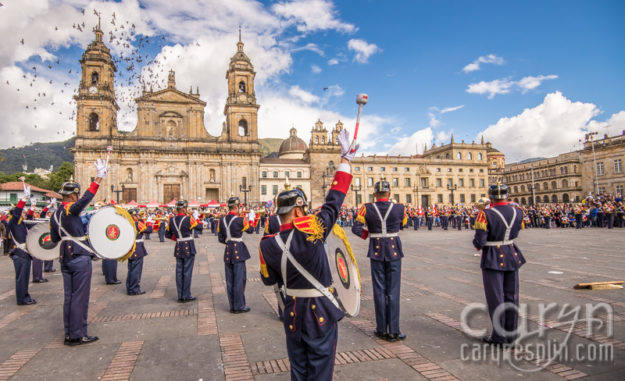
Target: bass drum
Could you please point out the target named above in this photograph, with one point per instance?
(345, 274)
(39, 243)
(112, 232)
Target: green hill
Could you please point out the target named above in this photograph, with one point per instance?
(43, 155)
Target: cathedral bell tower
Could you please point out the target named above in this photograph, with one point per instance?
(241, 109)
(95, 102)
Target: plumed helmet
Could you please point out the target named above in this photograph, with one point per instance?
(289, 199)
(498, 191)
(233, 201)
(69, 187)
(382, 186)
(181, 204)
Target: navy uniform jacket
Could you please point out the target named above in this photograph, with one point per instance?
(381, 249)
(313, 315)
(235, 251)
(489, 228)
(17, 229)
(142, 229)
(186, 223)
(272, 225)
(69, 216)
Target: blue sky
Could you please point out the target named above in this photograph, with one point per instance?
(530, 76)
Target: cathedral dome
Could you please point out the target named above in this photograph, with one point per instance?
(292, 147)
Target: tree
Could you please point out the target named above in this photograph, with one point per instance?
(61, 175)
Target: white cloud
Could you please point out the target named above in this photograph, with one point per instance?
(303, 95)
(311, 47)
(490, 59)
(363, 49)
(333, 61)
(413, 144)
(315, 69)
(312, 15)
(450, 109)
(506, 85)
(443, 137)
(553, 127)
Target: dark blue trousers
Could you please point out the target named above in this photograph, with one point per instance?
(22, 277)
(109, 268)
(312, 358)
(502, 287)
(429, 222)
(386, 281)
(415, 223)
(77, 287)
(48, 266)
(184, 270)
(133, 278)
(236, 276)
(161, 232)
(37, 269)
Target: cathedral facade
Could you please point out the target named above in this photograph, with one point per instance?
(169, 155)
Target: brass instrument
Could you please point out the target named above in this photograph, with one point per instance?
(482, 203)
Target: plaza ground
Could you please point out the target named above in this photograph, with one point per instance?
(152, 337)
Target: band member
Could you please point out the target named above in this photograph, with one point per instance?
(161, 229)
(17, 231)
(230, 232)
(495, 230)
(179, 229)
(383, 220)
(296, 256)
(37, 264)
(109, 269)
(135, 262)
(75, 256)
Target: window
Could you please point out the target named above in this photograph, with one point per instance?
(537, 186)
(481, 183)
(407, 169)
(618, 166)
(241, 87)
(462, 199)
(479, 156)
(459, 156)
(494, 164)
(470, 170)
(473, 198)
(545, 199)
(447, 156)
(438, 169)
(94, 78)
(545, 186)
(575, 169)
(424, 182)
(382, 169)
(316, 139)
(601, 190)
(565, 184)
(460, 170)
(408, 198)
(369, 168)
(451, 201)
(371, 199)
(472, 183)
(299, 174)
(274, 189)
(356, 168)
(450, 183)
(395, 182)
(619, 189)
(439, 183)
(516, 189)
(554, 198)
(394, 169)
(370, 181)
(522, 188)
(243, 127)
(553, 185)
(287, 174)
(481, 170)
(396, 197)
(357, 181)
(275, 174)
(407, 182)
(263, 189)
(439, 198)
(94, 122)
(129, 175)
(448, 169)
(461, 183)
(264, 174)
(470, 156)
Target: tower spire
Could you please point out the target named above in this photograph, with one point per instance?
(97, 30)
(240, 43)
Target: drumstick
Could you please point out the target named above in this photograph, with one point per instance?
(361, 100)
(108, 154)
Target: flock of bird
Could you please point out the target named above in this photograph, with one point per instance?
(137, 68)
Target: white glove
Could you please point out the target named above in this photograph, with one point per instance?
(33, 202)
(26, 193)
(100, 165)
(348, 149)
(52, 201)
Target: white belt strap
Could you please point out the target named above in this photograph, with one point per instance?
(139, 240)
(319, 289)
(180, 237)
(228, 235)
(21, 246)
(189, 238)
(69, 237)
(383, 220)
(382, 235)
(506, 238)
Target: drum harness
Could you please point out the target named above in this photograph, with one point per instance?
(506, 237)
(69, 237)
(180, 238)
(228, 234)
(384, 234)
(319, 289)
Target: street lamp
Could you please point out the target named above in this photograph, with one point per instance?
(356, 189)
(416, 190)
(533, 186)
(243, 188)
(118, 191)
(594, 159)
(452, 189)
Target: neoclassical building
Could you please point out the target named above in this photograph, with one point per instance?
(169, 155)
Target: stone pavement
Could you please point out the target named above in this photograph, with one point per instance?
(152, 337)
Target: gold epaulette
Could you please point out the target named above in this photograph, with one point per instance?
(360, 217)
(310, 225)
(481, 222)
(67, 206)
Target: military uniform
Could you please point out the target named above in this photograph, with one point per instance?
(180, 229)
(17, 231)
(272, 226)
(231, 228)
(383, 220)
(37, 264)
(310, 316)
(75, 257)
(495, 230)
(135, 262)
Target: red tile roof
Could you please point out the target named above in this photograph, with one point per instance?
(17, 186)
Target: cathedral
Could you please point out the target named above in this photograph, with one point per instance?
(169, 155)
